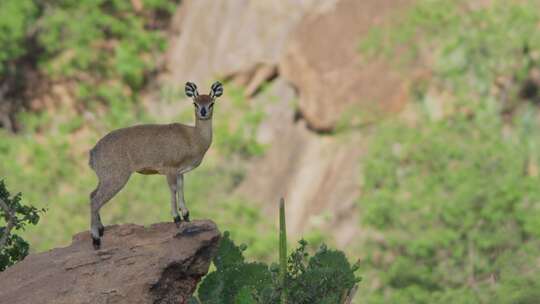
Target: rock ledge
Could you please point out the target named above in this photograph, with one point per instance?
(158, 264)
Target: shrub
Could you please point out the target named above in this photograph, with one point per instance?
(473, 49)
(324, 278)
(16, 17)
(108, 52)
(454, 196)
(457, 206)
(14, 248)
(112, 46)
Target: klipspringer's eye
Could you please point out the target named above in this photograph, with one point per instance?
(196, 105)
(211, 105)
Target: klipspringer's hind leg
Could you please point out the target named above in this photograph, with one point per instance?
(95, 223)
(101, 228)
(95, 219)
(106, 190)
(180, 186)
(171, 181)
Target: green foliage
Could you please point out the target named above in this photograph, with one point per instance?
(322, 278)
(16, 18)
(234, 280)
(15, 247)
(455, 195)
(454, 202)
(471, 46)
(109, 51)
(109, 42)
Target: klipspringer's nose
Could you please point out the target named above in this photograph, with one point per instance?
(203, 112)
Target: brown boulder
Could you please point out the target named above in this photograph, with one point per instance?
(159, 264)
(324, 63)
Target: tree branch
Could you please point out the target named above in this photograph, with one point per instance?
(10, 220)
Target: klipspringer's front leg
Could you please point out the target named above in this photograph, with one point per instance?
(180, 186)
(171, 180)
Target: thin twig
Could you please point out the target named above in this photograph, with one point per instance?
(350, 295)
(10, 219)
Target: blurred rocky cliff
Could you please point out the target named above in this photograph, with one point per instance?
(305, 54)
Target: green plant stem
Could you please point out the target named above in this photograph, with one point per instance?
(282, 251)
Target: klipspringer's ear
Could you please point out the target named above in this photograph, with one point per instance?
(216, 90)
(191, 90)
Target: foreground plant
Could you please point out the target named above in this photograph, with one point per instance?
(14, 248)
(327, 277)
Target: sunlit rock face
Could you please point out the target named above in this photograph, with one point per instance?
(220, 38)
(324, 63)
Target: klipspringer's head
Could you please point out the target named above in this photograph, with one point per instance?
(204, 104)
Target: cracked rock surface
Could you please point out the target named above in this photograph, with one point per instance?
(136, 264)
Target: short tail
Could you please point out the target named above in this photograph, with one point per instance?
(91, 161)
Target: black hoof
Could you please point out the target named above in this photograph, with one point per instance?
(186, 217)
(96, 243)
(101, 231)
(177, 220)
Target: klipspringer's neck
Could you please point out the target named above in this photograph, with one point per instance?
(204, 129)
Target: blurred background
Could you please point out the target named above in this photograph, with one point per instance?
(403, 132)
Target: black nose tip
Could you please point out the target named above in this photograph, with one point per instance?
(203, 112)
